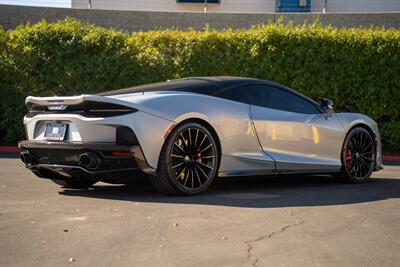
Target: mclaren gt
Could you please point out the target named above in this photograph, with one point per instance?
(183, 133)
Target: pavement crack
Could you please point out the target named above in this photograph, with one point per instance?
(250, 255)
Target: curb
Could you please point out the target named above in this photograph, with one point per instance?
(390, 158)
(10, 152)
(387, 159)
(9, 149)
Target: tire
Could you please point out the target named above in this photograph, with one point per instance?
(358, 156)
(188, 162)
(75, 184)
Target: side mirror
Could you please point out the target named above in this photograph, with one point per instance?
(327, 105)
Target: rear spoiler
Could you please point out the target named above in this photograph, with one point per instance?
(59, 103)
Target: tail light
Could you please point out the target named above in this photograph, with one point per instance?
(91, 109)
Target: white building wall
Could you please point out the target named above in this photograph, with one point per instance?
(241, 6)
(356, 5)
(172, 5)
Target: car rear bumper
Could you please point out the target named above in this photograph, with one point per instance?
(64, 160)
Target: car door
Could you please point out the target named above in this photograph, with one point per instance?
(293, 130)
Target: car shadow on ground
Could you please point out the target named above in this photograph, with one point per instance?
(257, 192)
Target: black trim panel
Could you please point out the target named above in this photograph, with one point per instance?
(99, 148)
(73, 145)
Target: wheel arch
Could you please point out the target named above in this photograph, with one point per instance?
(365, 126)
(362, 125)
(209, 127)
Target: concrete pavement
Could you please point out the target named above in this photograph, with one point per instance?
(265, 221)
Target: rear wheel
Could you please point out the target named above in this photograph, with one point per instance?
(76, 184)
(358, 155)
(188, 162)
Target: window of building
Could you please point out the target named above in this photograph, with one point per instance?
(293, 5)
(199, 1)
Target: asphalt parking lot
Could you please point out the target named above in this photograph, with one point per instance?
(265, 221)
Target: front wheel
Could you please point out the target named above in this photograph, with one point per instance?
(358, 156)
(188, 161)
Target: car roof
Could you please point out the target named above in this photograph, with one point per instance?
(204, 85)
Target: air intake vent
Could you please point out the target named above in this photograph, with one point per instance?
(125, 136)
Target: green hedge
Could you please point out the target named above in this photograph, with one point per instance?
(358, 68)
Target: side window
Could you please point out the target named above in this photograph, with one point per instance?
(234, 94)
(258, 95)
(272, 97)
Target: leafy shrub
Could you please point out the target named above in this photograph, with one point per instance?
(358, 68)
(390, 134)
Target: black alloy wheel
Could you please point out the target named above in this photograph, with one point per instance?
(189, 161)
(193, 158)
(358, 155)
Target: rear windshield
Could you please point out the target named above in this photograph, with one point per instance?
(188, 85)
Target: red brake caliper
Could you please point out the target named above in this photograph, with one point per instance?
(348, 159)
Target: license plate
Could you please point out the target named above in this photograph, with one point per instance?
(55, 131)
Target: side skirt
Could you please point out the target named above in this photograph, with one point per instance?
(269, 172)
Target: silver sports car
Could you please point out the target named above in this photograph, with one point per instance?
(183, 133)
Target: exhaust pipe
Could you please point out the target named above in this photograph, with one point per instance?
(89, 160)
(26, 157)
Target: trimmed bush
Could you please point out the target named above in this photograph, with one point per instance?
(359, 68)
